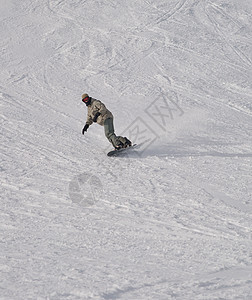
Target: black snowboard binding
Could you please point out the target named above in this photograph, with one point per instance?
(123, 143)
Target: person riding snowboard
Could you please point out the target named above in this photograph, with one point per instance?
(98, 113)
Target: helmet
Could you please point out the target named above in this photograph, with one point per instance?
(85, 98)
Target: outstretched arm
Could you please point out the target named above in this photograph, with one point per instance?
(89, 119)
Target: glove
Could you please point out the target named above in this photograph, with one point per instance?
(96, 116)
(85, 128)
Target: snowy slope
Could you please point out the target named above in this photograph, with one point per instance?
(172, 220)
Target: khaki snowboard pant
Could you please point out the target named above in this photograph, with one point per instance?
(110, 133)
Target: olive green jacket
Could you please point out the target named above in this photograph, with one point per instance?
(96, 106)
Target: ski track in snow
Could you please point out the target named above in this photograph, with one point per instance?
(169, 220)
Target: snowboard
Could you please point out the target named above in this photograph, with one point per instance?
(121, 151)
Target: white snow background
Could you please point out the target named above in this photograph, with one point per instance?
(172, 219)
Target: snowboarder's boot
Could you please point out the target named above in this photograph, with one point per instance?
(119, 146)
(127, 143)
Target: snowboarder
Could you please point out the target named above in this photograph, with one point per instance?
(98, 113)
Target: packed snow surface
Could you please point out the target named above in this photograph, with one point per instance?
(171, 219)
